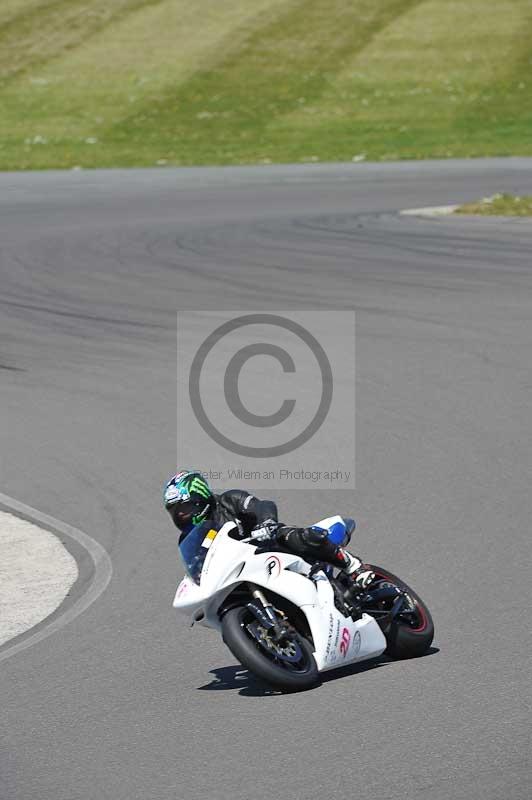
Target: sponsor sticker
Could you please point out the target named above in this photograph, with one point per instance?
(328, 650)
(337, 636)
(212, 534)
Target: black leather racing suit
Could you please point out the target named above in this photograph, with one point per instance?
(249, 512)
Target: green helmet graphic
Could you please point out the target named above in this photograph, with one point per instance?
(188, 498)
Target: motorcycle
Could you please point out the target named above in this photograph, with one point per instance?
(287, 620)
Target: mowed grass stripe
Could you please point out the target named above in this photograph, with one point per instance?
(445, 79)
(13, 8)
(499, 115)
(39, 32)
(225, 112)
(49, 113)
(203, 82)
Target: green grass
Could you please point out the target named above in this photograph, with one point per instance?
(500, 205)
(144, 82)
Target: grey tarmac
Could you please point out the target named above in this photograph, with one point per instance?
(125, 702)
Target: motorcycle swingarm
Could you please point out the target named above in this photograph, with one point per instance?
(385, 593)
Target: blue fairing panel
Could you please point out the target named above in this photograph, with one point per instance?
(336, 529)
(337, 533)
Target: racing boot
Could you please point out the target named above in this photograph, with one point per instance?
(357, 580)
(353, 566)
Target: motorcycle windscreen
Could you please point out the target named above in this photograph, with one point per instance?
(194, 548)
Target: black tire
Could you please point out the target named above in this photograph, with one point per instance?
(251, 655)
(405, 641)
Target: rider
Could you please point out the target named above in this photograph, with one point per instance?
(189, 500)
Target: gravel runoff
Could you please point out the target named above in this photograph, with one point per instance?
(36, 573)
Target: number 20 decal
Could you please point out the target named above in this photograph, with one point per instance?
(345, 642)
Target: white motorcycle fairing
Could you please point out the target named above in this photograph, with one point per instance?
(337, 640)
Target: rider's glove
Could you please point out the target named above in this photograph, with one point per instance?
(264, 530)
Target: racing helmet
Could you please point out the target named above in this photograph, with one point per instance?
(188, 499)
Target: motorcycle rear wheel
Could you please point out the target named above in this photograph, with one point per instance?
(407, 639)
(238, 626)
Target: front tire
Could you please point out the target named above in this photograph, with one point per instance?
(239, 632)
(408, 636)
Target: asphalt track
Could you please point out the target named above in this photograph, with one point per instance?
(120, 704)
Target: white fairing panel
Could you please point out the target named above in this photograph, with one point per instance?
(188, 595)
(338, 640)
(328, 522)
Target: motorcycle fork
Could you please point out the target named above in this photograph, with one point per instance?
(265, 613)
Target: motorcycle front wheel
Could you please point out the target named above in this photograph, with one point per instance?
(288, 665)
(411, 633)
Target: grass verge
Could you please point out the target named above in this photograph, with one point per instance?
(500, 205)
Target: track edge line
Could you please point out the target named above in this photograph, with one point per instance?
(103, 571)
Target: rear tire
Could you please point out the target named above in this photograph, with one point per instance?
(249, 652)
(405, 641)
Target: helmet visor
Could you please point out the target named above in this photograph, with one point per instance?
(182, 513)
(185, 510)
